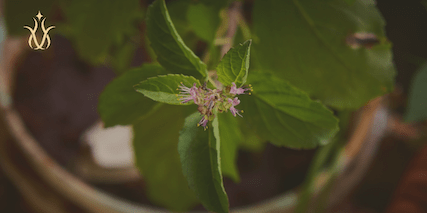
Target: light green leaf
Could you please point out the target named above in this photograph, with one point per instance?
(285, 115)
(305, 43)
(155, 144)
(199, 151)
(95, 25)
(230, 136)
(204, 21)
(164, 88)
(120, 104)
(417, 105)
(235, 64)
(171, 51)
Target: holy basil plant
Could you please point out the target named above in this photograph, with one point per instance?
(188, 123)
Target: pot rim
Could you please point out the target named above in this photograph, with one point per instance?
(363, 142)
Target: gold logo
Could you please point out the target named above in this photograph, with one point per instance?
(33, 38)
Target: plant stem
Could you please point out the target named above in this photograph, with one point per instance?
(244, 27)
(234, 12)
(231, 22)
(212, 81)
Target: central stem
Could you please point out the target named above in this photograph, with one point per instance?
(234, 12)
(212, 81)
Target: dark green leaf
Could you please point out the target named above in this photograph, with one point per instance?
(20, 13)
(171, 51)
(286, 116)
(94, 25)
(155, 145)
(230, 136)
(235, 64)
(122, 57)
(417, 105)
(164, 88)
(306, 43)
(120, 104)
(178, 14)
(199, 151)
(204, 20)
(350, 1)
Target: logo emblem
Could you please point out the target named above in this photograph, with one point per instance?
(33, 38)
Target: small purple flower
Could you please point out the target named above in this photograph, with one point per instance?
(187, 94)
(203, 122)
(212, 101)
(241, 90)
(233, 103)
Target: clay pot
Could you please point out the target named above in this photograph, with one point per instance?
(362, 144)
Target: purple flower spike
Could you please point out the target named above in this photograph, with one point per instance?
(233, 103)
(187, 94)
(213, 101)
(238, 91)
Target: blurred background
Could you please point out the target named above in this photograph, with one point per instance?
(58, 113)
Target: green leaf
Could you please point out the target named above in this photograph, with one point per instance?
(304, 42)
(17, 14)
(215, 3)
(164, 88)
(285, 115)
(204, 21)
(122, 57)
(417, 105)
(350, 1)
(155, 144)
(230, 136)
(120, 104)
(178, 14)
(235, 64)
(199, 151)
(96, 24)
(171, 51)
